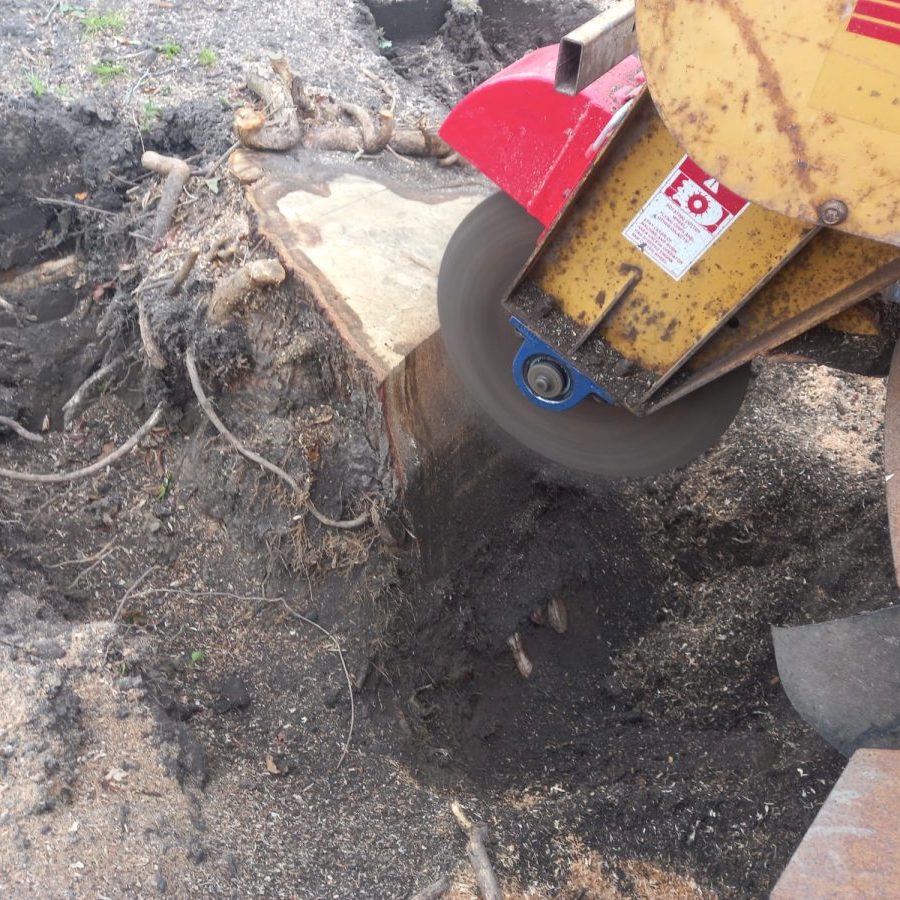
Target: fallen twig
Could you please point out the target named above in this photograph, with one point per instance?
(177, 173)
(130, 591)
(109, 459)
(73, 405)
(183, 271)
(49, 16)
(85, 559)
(191, 365)
(477, 853)
(20, 648)
(434, 891)
(85, 572)
(59, 201)
(21, 430)
(231, 291)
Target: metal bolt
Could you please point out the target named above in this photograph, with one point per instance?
(833, 212)
(546, 378)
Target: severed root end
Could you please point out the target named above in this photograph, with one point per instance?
(230, 293)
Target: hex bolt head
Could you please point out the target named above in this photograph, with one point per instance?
(833, 212)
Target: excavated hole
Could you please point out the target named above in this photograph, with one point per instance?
(453, 45)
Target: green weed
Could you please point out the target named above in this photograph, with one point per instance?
(38, 88)
(207, 57)
(169, 49)
(107, 70)
(110, 23)
(150, 114)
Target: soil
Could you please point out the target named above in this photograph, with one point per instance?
(174, 719)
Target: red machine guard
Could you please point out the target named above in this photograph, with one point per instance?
(531, 141)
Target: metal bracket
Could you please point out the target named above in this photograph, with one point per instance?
(580, 386)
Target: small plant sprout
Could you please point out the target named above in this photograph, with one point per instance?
(207, 57)
(106, 23)
(107, 70)
(38, 88)
(165, 487)
(150, 113)
(169, 49)
(197, 657)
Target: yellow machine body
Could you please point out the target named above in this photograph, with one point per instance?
(725, 86)
(792, 105)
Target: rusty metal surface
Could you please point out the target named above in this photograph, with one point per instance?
(852, 849)
(892, 456)
(586, 261)
(594, 48)
(792, 105)
(770, 332)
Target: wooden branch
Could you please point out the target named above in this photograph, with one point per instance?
(478, 855)
(229, 292)
(108, 460)
(21, 430)
(177, 173)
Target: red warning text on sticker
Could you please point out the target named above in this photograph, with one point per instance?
(687, 213)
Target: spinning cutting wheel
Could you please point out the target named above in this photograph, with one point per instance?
(481, 264)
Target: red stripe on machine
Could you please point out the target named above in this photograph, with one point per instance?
(875, 10)
(877, 30)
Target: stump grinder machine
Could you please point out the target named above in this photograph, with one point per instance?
(686, 185)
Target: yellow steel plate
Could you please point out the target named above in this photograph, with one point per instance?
(588, 261)
(829, 264)
(790, 104)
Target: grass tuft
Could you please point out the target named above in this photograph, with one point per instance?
(207, 57)
(108, 70)
(106, 23)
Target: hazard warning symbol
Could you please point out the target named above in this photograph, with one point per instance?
(686, 215)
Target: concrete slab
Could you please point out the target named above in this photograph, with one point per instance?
(852, 848)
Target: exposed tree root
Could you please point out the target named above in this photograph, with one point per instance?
(177, 173)
(292, 119)
(21, 430)
(231, 291)
(190, 362)
(76, 402)
(434, 891)
(108, 460)
(184, 270)
(478, 855)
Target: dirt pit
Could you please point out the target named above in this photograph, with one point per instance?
(175, 720)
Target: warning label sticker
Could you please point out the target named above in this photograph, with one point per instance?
(686, 215)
